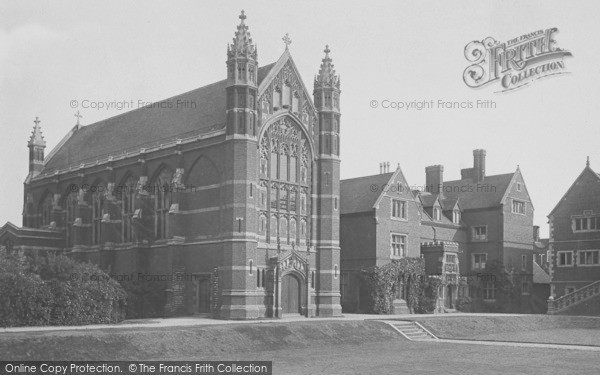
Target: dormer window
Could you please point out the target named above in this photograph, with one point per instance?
(456, 216)
(437, 214)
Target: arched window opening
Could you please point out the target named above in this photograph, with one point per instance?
(97, 213)
(162, 203)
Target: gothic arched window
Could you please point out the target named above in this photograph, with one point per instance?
(45, 209)
(97, 212)
(162, 203)
(71, 208)
(286, 95)
(287, 183)
(126, 192)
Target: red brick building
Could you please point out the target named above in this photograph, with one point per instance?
(457, 226)
(574, 247)
(229, 193)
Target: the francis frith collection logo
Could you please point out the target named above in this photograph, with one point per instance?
(515, 63)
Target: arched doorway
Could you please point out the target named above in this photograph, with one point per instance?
(291, 295)
(449, 295)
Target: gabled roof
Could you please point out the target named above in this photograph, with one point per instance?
(361, 194)
(473, 195)
(429, 200)
(539, 275)
(195, 112)
(449, 204)
(587, 169)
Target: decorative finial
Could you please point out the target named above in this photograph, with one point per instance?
(36, 139)
(78, 117)
(327, 76)
(287, 40)
(242, 42)
(587, 163)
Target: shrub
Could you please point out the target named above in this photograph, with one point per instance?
(57, 290)
(26, 299)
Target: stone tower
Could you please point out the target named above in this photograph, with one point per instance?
(327, 101)
(239, 181)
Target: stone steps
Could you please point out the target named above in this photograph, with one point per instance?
(412, 330)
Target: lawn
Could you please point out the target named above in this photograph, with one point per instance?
(574, 330)
(317, 347)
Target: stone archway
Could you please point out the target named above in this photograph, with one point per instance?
(291, 289)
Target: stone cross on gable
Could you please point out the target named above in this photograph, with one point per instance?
(37, 121)
(287, 40)
(78, 117)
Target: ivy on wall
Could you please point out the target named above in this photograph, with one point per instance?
(383, 282)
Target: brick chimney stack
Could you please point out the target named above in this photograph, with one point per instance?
(479, 164)
(434, 179)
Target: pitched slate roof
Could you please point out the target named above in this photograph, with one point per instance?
(428, 199)
(473, 195)
(586, 169)
(195, 112)
(539, 275)
(360, 194)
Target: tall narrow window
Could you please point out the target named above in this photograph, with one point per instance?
(97, 212)
(283, 167)
(71, 206)
(283, 230)
(293, 162)
(293, 230)
(276, 99)
(295, 102)
(46, 207)
(283, 198)
(274, 159)
(273, 227)
(286, 96)
(162, 204)
(127, 209)
(273, 198)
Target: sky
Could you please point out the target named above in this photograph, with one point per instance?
(53, 53)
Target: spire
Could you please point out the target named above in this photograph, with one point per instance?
(36, 139)
(327, 76)
(587, 163)
(242, 42)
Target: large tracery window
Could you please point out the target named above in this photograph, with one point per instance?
(285, 149)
